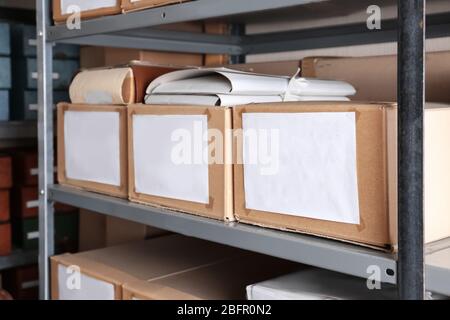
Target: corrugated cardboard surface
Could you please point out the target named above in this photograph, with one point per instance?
(127, 5)
(225, 280)
(58, 17)
(220, 175)
(221, 28)
(375, 78)
(143, 260)
(279, 68)
(374, 229)
(92, 57)
(119, 191)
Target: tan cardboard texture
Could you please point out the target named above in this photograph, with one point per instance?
(374, 227)
(93, 57)
(119, 191)
(375, 78)
(119, 85)
(143, 260)
(133, 5)
(86, 12)
(225, 280)
(220, 205)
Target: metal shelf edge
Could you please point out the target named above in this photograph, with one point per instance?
(18, 258)
(310, 250)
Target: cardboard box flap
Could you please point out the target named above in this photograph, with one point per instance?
(143, 290)
(103, 86)
(224, 280)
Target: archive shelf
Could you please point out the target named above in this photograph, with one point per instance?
(134, 30)
(18, 258)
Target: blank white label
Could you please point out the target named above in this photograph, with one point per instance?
(312, 165)
(67, 6)
(78, 286)
(158, 166)
(92, 146)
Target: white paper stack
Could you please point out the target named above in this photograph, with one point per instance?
(226, 87)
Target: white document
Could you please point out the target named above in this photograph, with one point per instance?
(90, 288)
(85, 5)
(316, 87)
(317, 284)
(307, 168)
(169, 156)
(226, 100)
(218, 80)
(92, 146)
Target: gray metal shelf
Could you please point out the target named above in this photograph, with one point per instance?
(310, 250)
(18, 258)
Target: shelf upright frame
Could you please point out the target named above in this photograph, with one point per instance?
(45, 144)
(411, 80)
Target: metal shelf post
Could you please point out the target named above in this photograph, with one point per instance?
(45, 144)
(411, 17)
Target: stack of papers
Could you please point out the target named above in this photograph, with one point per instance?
(226, 87)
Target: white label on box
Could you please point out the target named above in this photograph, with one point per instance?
(92, 146)
(33, 235)
(169, 156)
(75, 285)
(313, 170)
(67, 6)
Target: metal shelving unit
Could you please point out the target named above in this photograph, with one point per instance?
(133, 30)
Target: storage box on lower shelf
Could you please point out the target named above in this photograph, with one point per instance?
(26, 232)
(333, 170)
(104, 272)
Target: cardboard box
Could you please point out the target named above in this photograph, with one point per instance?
(373, 155)
(188, 184)
(4, 105)
(99, 231)
(101, 164)
(220, 28)
(4, 206)
(375, 78)
(22, 282)
(5, 172)
(278, 68)
(62, 10)
(121, 85)
(104, 271)
(92, 57)
(224, 280)
(133, 5)
(319, 284)
(5, 239)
